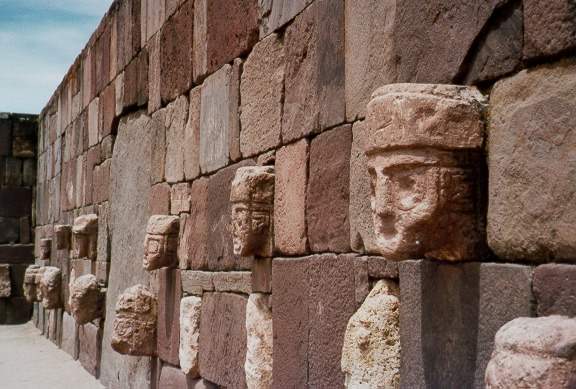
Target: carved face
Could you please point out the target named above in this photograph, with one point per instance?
(250, 229)
(50, 284)
(159, 251)
(45, 248)
(30, 285)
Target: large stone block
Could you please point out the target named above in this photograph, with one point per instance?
(534, 353)
(314, 86)
(279, 12)
(173, 378)
(531, 150)
(154, 17)
(192, 249)
(159, 200)
(69, 335)
(261, 94)
(169, 295)
(223, 30)
(555, 289)
(192, 136)
(180, 198)
(90, 347)
(327, 198)
(136, 81)
(291, 169)
(154, 75)
(190, 310)
(549, 28)
(175, 117)
(457, 309)
(259, 345)
(176, 53)
(219, 118)
(9, 230)
(16, 202)
(223, 339)
(107, 107)
(130, 184)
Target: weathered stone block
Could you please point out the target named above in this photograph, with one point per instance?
(291, 169)
(327, 197)
(51, 287)
(174, 378)
(101, 186)
(180, 198)
(223, 30)
(219, 118)
(379, 267)
(69, 335)
(531, 159)
(258, 365)
(190, 310)
(161, 242)
(458, 309)
(86, 299)
(262, 275)
(159, 199)
(158, 152)
(176, 53)
(93, 122)
(534, 353)
(232, 281)
(169, 295)
(549, 28)
(107, 107)
(136, 81)
(196, 282)
(223, 339)
(261, 93)
(279, 12)
(192, 136)
(555, 289)
(314, 87)
(90, 347)
(154, 18)
(12, 172)
(192, 249)
(154, 75)
(5, 284)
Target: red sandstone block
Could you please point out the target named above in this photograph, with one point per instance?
(93, 158)
(101, 187)
(176, 53)
(102, 59)
(154, 74)
(159, 199)
(107, 108)
(192, 250)
(169, 295)
(223, 30)
(180, 198)
(328, 191)
(136, 81)
(90, 347)
(173, 378)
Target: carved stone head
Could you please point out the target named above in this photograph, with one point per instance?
(86, 299)
(252, 198)
(134, 328)
(50, 287)
(63, 235)
(85, 237)
(45, 248)
(31, 282)
(161, 242)
(423, 147)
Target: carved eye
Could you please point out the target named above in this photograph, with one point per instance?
(409, 189)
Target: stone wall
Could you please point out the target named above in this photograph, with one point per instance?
(171, 102)
(17, 180)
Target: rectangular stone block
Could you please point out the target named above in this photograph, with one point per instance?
(291, 168)
(101, 186)
(154, 18)
(89, 345)
(327, 198)
(219, 119)
(278, 13)
(16, 202)
(107, 109)
(174, 378)
(169, 295)
(223, 339)
(93, 122)
(9, 230)
(159, 199)
(12, 171)
(69, 335)
(17, 279)
(457, 309)
(262, 275)
(136, 81)
(175, 117)
(555, 289)
(314, 87)
(233, 281)
(176, 53)
(223, 30)
(379, 267)
(192, 250)
(196, 282)
(18, 253)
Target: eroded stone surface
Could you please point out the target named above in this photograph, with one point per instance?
(45, 248)
(50, 287)
(252, 198)
(5, 286)
(422, 144)
(134, 331)
(371, 351)
(258, 363)
(85, 237)
(86, 299)
(161, 242)
(554, 287)
(30, 286)
(63, 235)
(534, 353)
(190, 310)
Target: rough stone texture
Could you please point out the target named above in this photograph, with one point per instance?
(262, 275)
(192, 248)
(129, 215)
(169, 295)
(219, 118)
(173, 378)
(161, 242)
(196, 282)
(362, 238)
(63, 235)
(532, 138)
(371, 351)
(86, 299)
(233, 281)
(155, 16)
(51, 287)
(534, 353)
(175, 118)
(290, 199)
(279, 12)
(180, 198)
(314, 87)
(258, 365)
(158, 152)
(554, 287)
(192, 136)
(549, 28)
(261, 93)
(464, 306)
(90, 347)
(5, 285)
(190, 310)
(134, 330)
(379, 267)
(327, 198)
(223, 30)
(136, 81)
(159, 200)
(223, 339)
(69, 335)
(93, 122)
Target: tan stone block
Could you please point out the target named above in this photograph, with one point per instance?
(192, 136)
(232, 281)
(159, 199)
(180, 198)
(190, 310)
(196, 282)
(258, 365)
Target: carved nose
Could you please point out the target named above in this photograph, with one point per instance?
(383, 201)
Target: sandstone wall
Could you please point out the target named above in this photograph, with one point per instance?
(170, 98)
(17, 180)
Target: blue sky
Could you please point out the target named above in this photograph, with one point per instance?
(39, 40)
